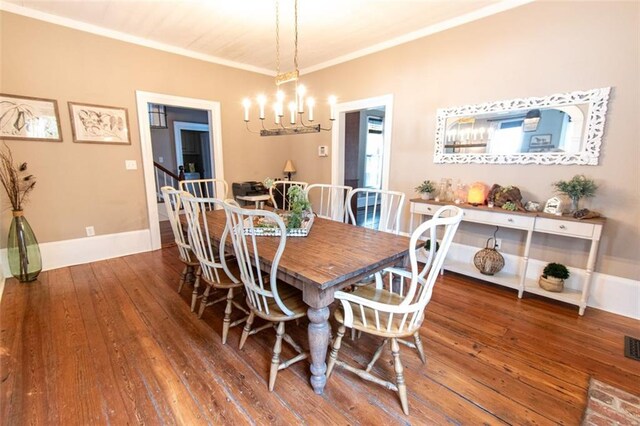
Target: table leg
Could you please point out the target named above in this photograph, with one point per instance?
(318, 342)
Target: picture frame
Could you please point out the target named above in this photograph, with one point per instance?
(538, 141)
(29, 119)
(99, 124)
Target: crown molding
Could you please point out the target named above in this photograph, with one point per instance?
(128, 38)
(426, 31)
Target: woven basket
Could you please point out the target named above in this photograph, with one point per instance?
(553, 284)
(488, 260)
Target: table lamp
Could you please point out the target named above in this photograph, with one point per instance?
(289, 168)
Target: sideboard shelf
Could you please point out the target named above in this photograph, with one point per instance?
(530, 223)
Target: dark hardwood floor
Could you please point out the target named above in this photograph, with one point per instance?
(112, 342)
(166, 234)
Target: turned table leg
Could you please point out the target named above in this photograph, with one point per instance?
(318, 342)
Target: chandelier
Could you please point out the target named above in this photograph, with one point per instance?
(298, 124)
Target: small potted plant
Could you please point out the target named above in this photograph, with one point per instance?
(300, 207)
(578, 187)
(553, 276)
(425, 189)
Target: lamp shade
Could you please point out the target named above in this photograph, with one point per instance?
(288, 167)
(477, 193)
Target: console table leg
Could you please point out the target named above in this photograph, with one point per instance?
(318, 342)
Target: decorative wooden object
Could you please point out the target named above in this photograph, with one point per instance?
(265, 299)
(329, 201)
(395, 307)
(385, 204)
(173, 205)
(336, 255)
(215, 271)
(205, 188)
(529, 222)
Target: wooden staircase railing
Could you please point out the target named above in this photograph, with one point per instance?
(165, 177)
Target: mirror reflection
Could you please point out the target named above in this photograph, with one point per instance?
(563, 128)
(536, 130)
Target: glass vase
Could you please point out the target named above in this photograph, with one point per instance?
(23, 251)
(575, 204)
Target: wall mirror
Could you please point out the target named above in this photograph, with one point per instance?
(564, 128)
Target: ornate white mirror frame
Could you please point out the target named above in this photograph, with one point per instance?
(591, 139)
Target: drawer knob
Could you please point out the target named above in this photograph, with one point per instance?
(510, 220)
(429, 208)
(563, 227)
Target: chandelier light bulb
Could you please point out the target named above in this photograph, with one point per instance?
(246, 103)
(332, 105)
(276, 115)
(262, 100)
(292, 110)
(301, 92)
(310, 104)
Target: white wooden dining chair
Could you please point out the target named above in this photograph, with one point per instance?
(266, 298)
(394, 307)
(173, 205)
(215, 271)
(376, 208)
(329, 201)
(206, 188)
(279, 190)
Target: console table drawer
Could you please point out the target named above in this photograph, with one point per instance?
(422, 208)
(499, 219)
(564, 227)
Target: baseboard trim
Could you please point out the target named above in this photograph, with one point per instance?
(58, 254)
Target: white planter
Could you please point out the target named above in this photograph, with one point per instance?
(425, 195)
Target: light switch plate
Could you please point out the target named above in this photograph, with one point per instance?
(160, 159)
(131, 164)
(323, 151)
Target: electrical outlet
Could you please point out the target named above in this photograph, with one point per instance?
(130, 165)
(160, 159)
(498, 243)
(90, 231)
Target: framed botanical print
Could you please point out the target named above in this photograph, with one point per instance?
(30, 119)
(99, 124)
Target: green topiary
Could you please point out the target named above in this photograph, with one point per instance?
(557, 270)
(426, 186)
(579, 186)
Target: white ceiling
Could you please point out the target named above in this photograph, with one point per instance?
(241, 33)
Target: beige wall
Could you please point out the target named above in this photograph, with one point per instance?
(85, 184)
(534, 50)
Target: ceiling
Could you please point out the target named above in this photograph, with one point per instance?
(241, 33)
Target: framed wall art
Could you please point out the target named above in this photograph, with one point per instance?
(99, 124)
(29, 119)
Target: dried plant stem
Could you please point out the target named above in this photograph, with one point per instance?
(15, 184)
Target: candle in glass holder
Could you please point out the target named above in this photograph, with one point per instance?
(477, 193)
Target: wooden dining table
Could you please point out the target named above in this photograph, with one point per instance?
(333, 256)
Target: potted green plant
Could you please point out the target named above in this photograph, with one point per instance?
(426, 189)
(578, 187)
(299, 206)
(553, 276)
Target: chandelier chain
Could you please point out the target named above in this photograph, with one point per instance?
(295, 43)
(277, 37)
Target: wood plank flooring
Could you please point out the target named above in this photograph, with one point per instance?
(111, 342)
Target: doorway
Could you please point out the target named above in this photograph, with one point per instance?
(361, 146)
(202, 138)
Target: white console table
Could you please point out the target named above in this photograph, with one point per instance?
(566, 226)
